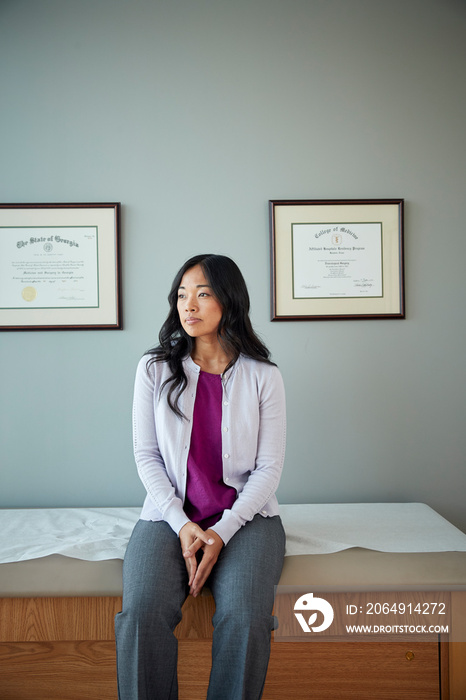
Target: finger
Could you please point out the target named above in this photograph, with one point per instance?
(200, 577)
(204, 568)
(193, 548)
(191, 567)
(207, 539)
(191, 531)
(199, 542)
(209, 558)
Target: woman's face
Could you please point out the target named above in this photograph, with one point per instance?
(198, 308)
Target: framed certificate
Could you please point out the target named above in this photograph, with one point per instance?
(337, 259)
(59, 266)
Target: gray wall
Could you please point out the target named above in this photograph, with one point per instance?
(193, 114)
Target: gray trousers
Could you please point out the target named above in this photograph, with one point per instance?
(155, 586)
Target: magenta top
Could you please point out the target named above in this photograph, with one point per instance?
(207, 496)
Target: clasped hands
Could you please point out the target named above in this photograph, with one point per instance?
(192, 539)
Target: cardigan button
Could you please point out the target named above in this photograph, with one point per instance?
(226, 456)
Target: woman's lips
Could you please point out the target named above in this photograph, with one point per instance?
(191, 321)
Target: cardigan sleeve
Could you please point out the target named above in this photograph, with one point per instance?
(149, 460)
(259, 489)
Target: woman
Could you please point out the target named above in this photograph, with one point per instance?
(209, 441)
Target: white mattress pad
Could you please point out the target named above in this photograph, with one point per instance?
(96, 534)
(333, 547)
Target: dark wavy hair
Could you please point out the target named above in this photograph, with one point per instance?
(235, 331)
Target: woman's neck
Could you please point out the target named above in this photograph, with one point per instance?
(210, 357)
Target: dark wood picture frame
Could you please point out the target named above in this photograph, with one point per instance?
(60, 266)
(350, 256)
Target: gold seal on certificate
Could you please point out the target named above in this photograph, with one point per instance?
(29, 293)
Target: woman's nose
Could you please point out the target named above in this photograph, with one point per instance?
(190, 303)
